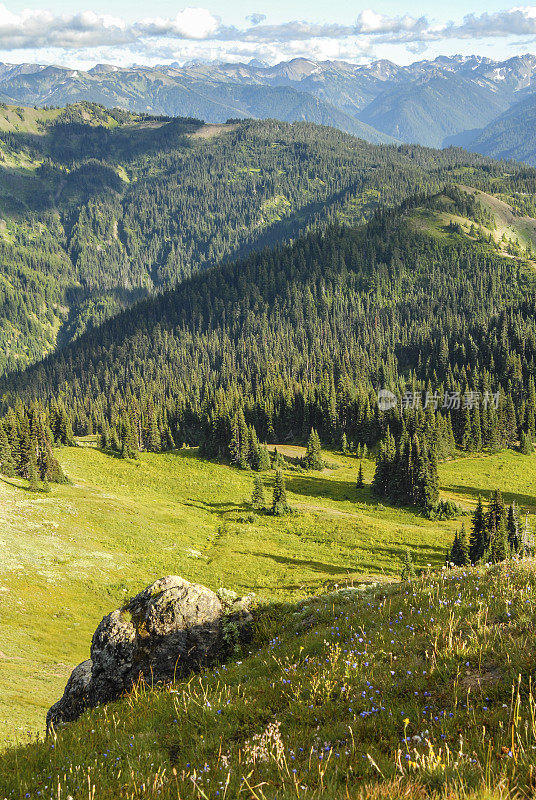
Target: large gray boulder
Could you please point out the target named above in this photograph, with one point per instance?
(169, 630)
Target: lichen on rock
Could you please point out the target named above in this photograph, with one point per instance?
(168, 630)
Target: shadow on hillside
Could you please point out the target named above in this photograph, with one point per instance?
(317, 566)
(332, 489)
(390, 556)
(90, 150)
(14, 485)
(471, 493)
(219, 509)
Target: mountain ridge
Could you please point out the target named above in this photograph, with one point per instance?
(101, 207)
(425, 102)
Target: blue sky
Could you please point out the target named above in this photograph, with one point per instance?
(80, 34)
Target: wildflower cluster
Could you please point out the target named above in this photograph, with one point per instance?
(416, 686)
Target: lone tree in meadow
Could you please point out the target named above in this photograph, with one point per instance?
(313, 456)
(279, 501)
(360, 479)
(408, 567)
(257, 495)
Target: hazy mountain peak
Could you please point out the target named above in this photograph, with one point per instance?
(103, 69)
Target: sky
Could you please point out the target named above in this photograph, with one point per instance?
(128, 32)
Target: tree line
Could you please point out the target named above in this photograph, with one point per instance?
(497, 533)
(300, 338)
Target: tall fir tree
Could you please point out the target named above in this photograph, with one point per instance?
(279, 500)
(257, 495)
(313, 455)
(408, 568)
(7, 466)
(477, 539)
(496, 511)
(513, 529)
(526, 446)
(464, 547)
(499, 548)
(264, 459)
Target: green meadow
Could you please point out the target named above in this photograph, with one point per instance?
(70, 556)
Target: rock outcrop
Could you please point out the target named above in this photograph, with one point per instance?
(170, 629)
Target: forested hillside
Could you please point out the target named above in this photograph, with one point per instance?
(100, 208)
(302, 336)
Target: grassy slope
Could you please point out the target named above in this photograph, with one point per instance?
(515, 228)
(26, 120)
(69, 557)
(384, 692)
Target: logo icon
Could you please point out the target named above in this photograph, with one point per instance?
(386, 400)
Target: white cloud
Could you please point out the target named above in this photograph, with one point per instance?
(191, 23)
(40, 28)
(198, 33)
(514, 22)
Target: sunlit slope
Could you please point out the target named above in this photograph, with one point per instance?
(68, 557)
(410, 690)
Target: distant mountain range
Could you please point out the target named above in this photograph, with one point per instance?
(435, 103)
(512, 135)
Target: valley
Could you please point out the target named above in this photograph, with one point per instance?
(279, 361)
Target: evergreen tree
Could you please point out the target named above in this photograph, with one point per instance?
(154, 440)
(496, 512)
(254, 455)
(7, 467)
(428, 479)
(264, 459)
(513, 529)
(408, 567)
(129, 442)
(384, 465)
(32, 476)
(477, 539)
(257, 495)
(464, 547)
(453, 555)
(278, 461)
(526, 446)
(360, 479)
(344, 444)
(26, 456)
(279, 500)
(313, 455)
(499, 543)
(510, 424)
